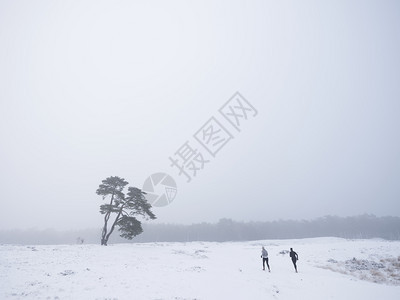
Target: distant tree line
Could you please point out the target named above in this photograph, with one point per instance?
(356, 227)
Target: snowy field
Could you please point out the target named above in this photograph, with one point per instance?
(329, 268)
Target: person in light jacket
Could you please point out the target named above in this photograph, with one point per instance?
(264, 256)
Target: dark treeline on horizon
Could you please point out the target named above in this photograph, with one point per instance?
(357, 227)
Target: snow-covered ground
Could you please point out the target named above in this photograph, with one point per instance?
(329, 268)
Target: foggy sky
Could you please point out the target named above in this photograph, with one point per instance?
(91, 89)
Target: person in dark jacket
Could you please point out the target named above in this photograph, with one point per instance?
(264, 256)
(294, 258)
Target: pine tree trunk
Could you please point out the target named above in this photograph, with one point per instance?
(112, 227)
(104, 231)
(106, 218)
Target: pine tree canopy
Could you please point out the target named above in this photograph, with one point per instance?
(126, 207)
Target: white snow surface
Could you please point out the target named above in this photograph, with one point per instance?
(202, 270)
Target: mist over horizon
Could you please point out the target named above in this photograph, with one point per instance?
(355, 227)
(160, 222)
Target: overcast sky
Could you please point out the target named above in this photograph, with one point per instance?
(91, 89)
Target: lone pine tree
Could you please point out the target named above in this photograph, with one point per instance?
(125, 207)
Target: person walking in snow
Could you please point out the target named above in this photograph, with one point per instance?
(264, 256)
(294, 258)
